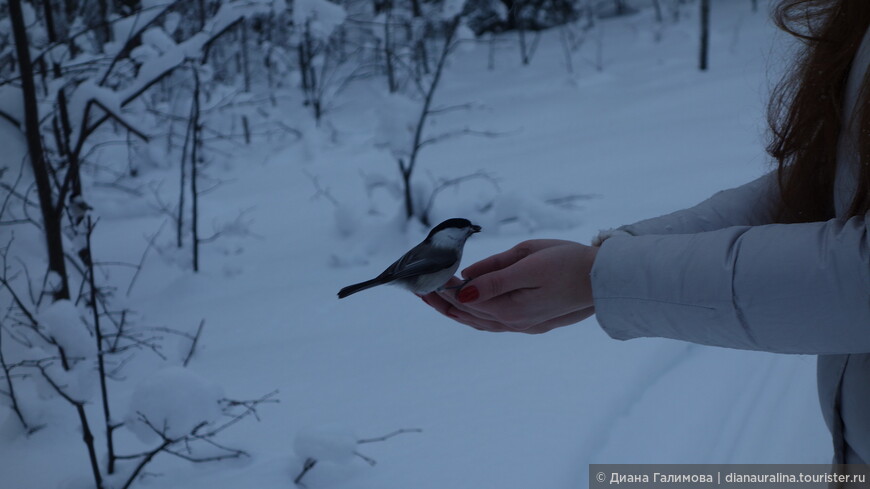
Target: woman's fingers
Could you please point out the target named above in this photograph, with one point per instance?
(473, 320)
(507, 258)
(534, 287)
(517, 276)
(438, 303)
(446, 303)
(497, 262)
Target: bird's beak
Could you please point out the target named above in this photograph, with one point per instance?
(475, 228)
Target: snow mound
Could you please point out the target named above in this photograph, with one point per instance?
(333, 443)
(174, 401)
(528, 214)
(63, 322)
(79, 382)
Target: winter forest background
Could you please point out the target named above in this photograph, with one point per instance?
(185, 185)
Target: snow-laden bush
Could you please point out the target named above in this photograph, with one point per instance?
(172, 402)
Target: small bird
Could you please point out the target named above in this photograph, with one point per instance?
(427, 266)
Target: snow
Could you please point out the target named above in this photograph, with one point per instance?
(125, 27)
(14, 143)
(149, 4)
(12, 103)
(452, 8)
(151, 69)
(466, 36)
(322, 16)
(171, 22)
(63, 322)
(85, 93)
(143, 53)
(173, 55)
(516, 209)
(397, 116)
(79, 382)
(173, 400)
(157, 38)
(333, 443)
(647, 135)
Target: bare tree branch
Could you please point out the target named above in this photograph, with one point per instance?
(444, 184)
(193, 343)
(386, 437)
(121, 120)
(459, 132)
(10, 388)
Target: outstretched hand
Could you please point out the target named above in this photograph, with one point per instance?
(536, 286)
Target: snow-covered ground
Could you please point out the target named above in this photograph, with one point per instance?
(647, 135)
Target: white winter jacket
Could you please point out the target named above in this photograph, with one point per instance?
(721, 273)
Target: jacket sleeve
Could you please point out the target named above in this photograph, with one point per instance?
(788, 288)
(751, 204)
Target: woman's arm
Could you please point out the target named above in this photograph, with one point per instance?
(751, 204)
(788, 288)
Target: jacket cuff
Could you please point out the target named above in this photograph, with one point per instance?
(606, 234)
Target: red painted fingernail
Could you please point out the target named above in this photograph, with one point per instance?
(468, 294)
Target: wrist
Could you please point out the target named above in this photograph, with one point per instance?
(593, 254)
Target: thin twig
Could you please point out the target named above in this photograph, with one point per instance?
(121, 120)
(389, 435)
(308, 465)
(143, 257)
(372, 462)
(194, 342)
(10, 387)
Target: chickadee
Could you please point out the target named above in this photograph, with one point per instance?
(429, 265)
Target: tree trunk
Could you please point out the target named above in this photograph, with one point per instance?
(388, 53)
(409, 198)
(104, 31)
(50, 218)
(408, 170)
(705, 34)
(194, 174)
(246, 71)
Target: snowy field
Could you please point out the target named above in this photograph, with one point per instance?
(646, 135)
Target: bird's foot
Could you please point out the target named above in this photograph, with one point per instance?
(455, 287)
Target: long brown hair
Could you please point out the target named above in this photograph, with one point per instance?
(805, 111)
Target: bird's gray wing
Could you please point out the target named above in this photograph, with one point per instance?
(416, 263)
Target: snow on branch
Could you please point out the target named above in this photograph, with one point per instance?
(335, 444)
(321, 17)
(130, 28)
(180, 412)
(155, 68)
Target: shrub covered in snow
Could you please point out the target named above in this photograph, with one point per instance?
(172, 402)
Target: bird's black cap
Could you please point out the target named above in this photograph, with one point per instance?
(456, 222)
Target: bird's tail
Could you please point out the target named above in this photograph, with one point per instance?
(353, 289)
